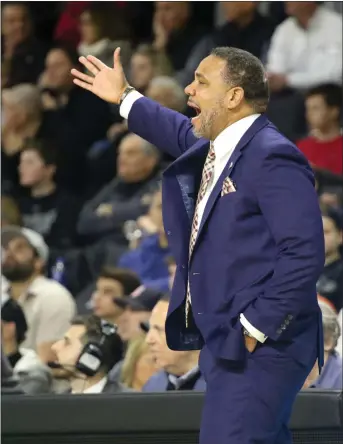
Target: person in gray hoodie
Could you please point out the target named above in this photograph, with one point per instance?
(33, 376)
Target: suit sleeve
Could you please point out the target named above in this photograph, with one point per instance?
(169, 131)
(285, 192)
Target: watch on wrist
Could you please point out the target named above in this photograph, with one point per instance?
(126, 92)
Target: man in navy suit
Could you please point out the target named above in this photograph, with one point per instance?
(242, 218)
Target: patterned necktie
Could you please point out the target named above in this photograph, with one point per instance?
(207, 176)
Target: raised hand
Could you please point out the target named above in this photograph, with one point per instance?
(105, 82)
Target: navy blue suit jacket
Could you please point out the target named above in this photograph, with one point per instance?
(260, 250)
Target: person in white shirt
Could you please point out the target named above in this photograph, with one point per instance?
(306, 49)
(87, 353)
(47, 305)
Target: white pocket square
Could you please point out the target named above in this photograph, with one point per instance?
(228, 186)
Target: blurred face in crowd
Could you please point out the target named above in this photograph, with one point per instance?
(57, 69)
(166, 97)
(16, 24)
(68, 349)
(88, 30)
(172, 15)
(15, 116)
(133, 164)
(130, 321)
(237, 11)
(319, 115)
(332, 236)
(20, 261)
(33, 170)
(141, 71)
(102, 299)
(171, 361)
(300, 9)
(212, 98)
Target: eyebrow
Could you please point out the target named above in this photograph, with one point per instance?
(199, 75)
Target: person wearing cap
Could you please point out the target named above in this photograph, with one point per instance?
(137, 310)
(33, 375)
(330, 283)
(47, 305)
(180, 370)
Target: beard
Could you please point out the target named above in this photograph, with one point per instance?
(18, 272)
(208, 119)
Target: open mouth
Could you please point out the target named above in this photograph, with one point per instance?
(196, 109)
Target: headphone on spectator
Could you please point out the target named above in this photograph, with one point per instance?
(94, 354)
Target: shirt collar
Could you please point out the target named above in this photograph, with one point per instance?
(228, 139)
(178, 381)
(98, 387)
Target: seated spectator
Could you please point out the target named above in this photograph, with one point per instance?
(22, 114)
(34, 377)
(9, 384)
(48, 307)
(137, 310)
(137, 367)
(175, 33)
(330, 283)
(87, 352)
(180, 368)
(67, 29)
(112, 284)
(46, 208)
(312, 56)
(127, 197)
(22, 54)
(103, 28)
(147, 63)
(167, 92)
(10, 213)
(324, 145)
(245, 28)
(147, 259)
(331, 375)
(68, 118)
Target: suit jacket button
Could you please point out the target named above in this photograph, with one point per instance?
(279, 331)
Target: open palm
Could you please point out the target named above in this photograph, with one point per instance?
(105, 82)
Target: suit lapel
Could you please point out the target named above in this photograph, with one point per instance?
(187, 170)
(259, 123)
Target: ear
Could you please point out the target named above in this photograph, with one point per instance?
(39, 265)
(234, 97)
(51, 169)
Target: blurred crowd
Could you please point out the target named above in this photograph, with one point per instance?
(86, 267)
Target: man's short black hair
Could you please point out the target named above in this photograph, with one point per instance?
(245, 70)
(331, 93)
(112, 346)
(45, 148)
(127, 278)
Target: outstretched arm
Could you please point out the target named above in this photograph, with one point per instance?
(168, 130)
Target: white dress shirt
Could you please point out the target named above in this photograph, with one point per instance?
(96, 388)
(309, 56)
(224, 145)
